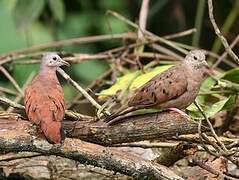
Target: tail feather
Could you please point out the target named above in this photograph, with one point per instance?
(52, 130)
(122, 111)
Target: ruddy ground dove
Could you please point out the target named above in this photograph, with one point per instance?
(176, 88)
(44, 99)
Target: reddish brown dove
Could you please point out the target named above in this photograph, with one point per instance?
(44, 99)
(176, 88)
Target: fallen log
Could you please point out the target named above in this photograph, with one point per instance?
(19, 136)
(151, 126)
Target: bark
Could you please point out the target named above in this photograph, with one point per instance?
(19, 136)
(151, 126)
(52, 167)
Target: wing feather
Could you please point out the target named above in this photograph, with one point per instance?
(165, 86)
(44, 101)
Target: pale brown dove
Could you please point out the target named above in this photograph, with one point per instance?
(44, 99)
(176, 88)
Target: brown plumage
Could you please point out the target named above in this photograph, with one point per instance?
(177, 87)
(44, 99)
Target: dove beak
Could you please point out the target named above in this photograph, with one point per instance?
(64, 63)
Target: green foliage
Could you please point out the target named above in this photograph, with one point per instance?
(26, 12)
(84, 18)
(10, 38)
(232, 75)
(58, 9)
(131, 81)
(69, 92)
(89, 70)
(211, 110)
(210, 103)
(20, 75)
(143, 78)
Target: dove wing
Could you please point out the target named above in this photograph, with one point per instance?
(44, 101)
(165, 86)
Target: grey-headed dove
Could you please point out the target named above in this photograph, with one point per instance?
(44, 99)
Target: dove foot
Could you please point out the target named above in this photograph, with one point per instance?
(180, 112)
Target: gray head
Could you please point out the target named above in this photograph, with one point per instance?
(196, 58)
(52, 59)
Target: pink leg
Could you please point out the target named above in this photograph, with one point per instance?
(180, 112)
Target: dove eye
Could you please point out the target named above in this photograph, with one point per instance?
(54, 58)
(195, 58)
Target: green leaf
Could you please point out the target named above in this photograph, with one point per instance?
(213, 109)
(121, 84)
(208, 84)
(232, 75)
(142, 79)
(26, 12)
(58, 9)
(132, 81)
(230, 102)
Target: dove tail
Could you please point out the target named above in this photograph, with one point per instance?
(53, 131)
(122, 111)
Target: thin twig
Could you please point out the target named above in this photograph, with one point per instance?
(210, 169)
(67, 42)
(20, 155)
(71, 114)
(212, 54)
(80, 89)
(202, 137)
(143, 18)
(11, 79)
(223, 56)
(218, 33)
(8, 91)
(146, 145)
(32, 61)
(11, 103)
(19, 96)
(92, 86)
(180, 34)
(10, 58)
(166, 51)
(211, 128)
(151, 35)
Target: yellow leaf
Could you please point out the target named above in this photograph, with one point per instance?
(132, 81)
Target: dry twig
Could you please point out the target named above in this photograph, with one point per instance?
(11, 79)
(223, 56)
(210, 169)
(80, 89)
(19, 96)
(219, 34)
(143, 18)
(67, 42)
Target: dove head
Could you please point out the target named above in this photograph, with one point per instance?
(196, 59)
(52, 60)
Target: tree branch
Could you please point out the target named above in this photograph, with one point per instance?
(7, 57)
(19, 138)
(219, 34)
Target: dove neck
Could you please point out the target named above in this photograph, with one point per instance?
(195, 71)
(49, 72)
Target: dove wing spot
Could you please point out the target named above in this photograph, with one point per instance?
(163, 90)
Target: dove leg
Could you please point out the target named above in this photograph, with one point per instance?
(180, 112)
